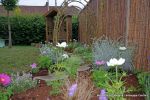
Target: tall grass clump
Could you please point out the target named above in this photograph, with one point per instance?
(144, 81)
(81, 90)
(105, 49)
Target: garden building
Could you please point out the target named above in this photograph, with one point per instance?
(65, 33)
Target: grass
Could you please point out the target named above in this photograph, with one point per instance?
(17, 58)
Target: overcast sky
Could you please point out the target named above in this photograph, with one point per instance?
(42, 2)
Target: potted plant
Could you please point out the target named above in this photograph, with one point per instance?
(43, 65)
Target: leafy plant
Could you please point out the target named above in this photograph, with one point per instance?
(71, 64)
(85, 52)
(115, 90)
(34, 70)
(44, 62)
(5, 93)
(56, 85)
(104, 49)
(144, 81)
(100, 77)
(22, 83)
(147, 87)
(50, 51)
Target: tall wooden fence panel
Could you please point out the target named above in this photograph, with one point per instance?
(139, 31)
(125, 19)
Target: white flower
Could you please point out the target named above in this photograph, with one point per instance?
(44, 52)
(115, 62)
(122, 48)
(121, 61)
(65, 56)
(63, 44)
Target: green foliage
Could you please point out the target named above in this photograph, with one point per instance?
(75, 25)
(147, 87)
(107, 49)
(144, 81)
(26, 29)
(85, 52)
(22, 83)
(115, 90)
(9, 4)
(56, 85)
(112, 84)
(100, 77)
(71, 64)
(5, 93)
(34, 70)
(45, 62)
(74, 44)
(50, 51)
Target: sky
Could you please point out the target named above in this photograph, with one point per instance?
(42, 2)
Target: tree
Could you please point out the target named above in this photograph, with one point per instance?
(9, 5)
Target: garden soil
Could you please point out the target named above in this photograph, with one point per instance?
(42, 92)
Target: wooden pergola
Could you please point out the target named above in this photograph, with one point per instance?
(65, 33)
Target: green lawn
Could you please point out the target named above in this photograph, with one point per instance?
(17, 58)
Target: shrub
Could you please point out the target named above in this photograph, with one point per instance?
(22, 82)
(48, 50)
(44, 62)
(26, 29)
(107, 49)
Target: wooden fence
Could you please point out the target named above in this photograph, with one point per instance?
(128, 19)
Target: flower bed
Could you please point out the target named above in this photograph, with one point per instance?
(107, 77)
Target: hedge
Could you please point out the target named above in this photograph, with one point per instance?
(26, 29)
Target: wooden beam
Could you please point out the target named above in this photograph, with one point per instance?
(127, 23)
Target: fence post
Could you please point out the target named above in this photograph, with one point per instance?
(127, 23)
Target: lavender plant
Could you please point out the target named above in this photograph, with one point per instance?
(104, 49)
(50, 51)
(22, 82)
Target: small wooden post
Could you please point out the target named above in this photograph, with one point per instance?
(47, 30)
(83, 72)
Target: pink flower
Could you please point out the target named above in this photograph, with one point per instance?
(72, 90)
(5, 79)
(98, 62)
(34, 65)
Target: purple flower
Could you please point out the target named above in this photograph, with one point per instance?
(98, 62)
(34, 65)
(5, 79)
(103, 95)
(72, 90)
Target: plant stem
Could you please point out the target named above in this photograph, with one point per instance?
(117, 73)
